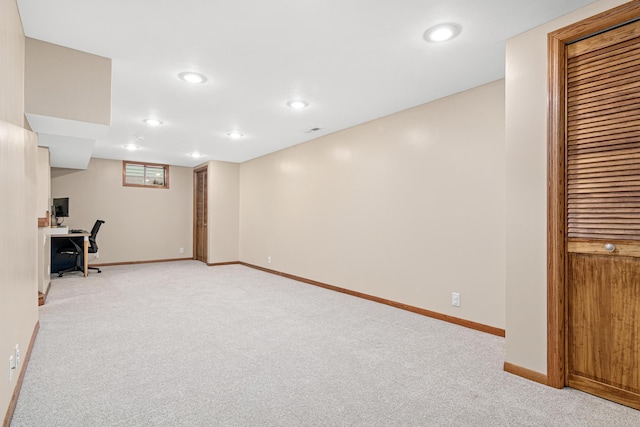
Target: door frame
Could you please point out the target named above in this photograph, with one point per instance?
(556, 179)
(195, 213)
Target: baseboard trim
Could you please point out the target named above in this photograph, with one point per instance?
(526, 373)
(445, 317)
(216, 264)
(109, 264)
(16, 391)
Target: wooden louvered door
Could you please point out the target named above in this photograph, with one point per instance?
(603, 215)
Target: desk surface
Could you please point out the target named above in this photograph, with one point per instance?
(72, 235)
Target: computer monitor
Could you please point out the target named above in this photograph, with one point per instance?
(61, 207)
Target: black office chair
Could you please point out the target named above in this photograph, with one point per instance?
(93, 246)
(75, 251)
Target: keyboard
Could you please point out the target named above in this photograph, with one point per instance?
(76, 230)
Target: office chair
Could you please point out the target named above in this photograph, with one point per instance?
(76, 251)
(93, 246)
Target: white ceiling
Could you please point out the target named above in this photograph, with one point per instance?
(352, 60)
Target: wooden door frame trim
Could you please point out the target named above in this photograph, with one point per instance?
(195, 207)
(556, 179)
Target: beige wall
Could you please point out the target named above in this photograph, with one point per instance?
(526, 133)
(43, 205)
(142, 224)
(44, 259)
(409, 207)
(43, 174)
(12, 64)
(223, 208)
(67, 83)
(18, 219)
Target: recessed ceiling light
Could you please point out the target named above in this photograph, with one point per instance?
(234, 134)
(195, 155)
(298, 104)
(131, 147)
(152, 122)
(442, 32)
(192, 77)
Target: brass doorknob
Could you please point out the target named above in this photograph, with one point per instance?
(609, 247)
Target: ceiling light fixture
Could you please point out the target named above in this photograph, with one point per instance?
(234, 134)
(442, 32)
(192, 77)
(152, 122)
(298, 104)
(195, 155)
(131, 147)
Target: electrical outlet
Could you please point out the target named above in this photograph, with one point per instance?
(17, 355)
(455, 299)
(269, 259)
(12, 367)
(181, 250)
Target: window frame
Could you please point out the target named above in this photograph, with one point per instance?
(145, 165)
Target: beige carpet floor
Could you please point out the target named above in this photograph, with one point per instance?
(183, 344)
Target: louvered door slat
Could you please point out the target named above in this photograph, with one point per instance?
(596, 109)
(604, 62)
(609, 174)
(584, 102)
(608, 64)
(618, 217)
(630, 136)
(617, 222)
(595, 147)
(580, 180)
(604, 93)
(605, 118)
(606, 127)
(603, 161)
(606, 81)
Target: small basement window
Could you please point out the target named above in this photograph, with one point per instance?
(137, 174)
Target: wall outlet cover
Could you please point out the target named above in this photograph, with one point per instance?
(455, 299)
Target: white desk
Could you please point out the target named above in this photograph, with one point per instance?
(85, 239)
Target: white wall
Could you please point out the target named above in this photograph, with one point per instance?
(526, 134)
(408, 207)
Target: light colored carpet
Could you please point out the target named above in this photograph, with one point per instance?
(183, 344)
